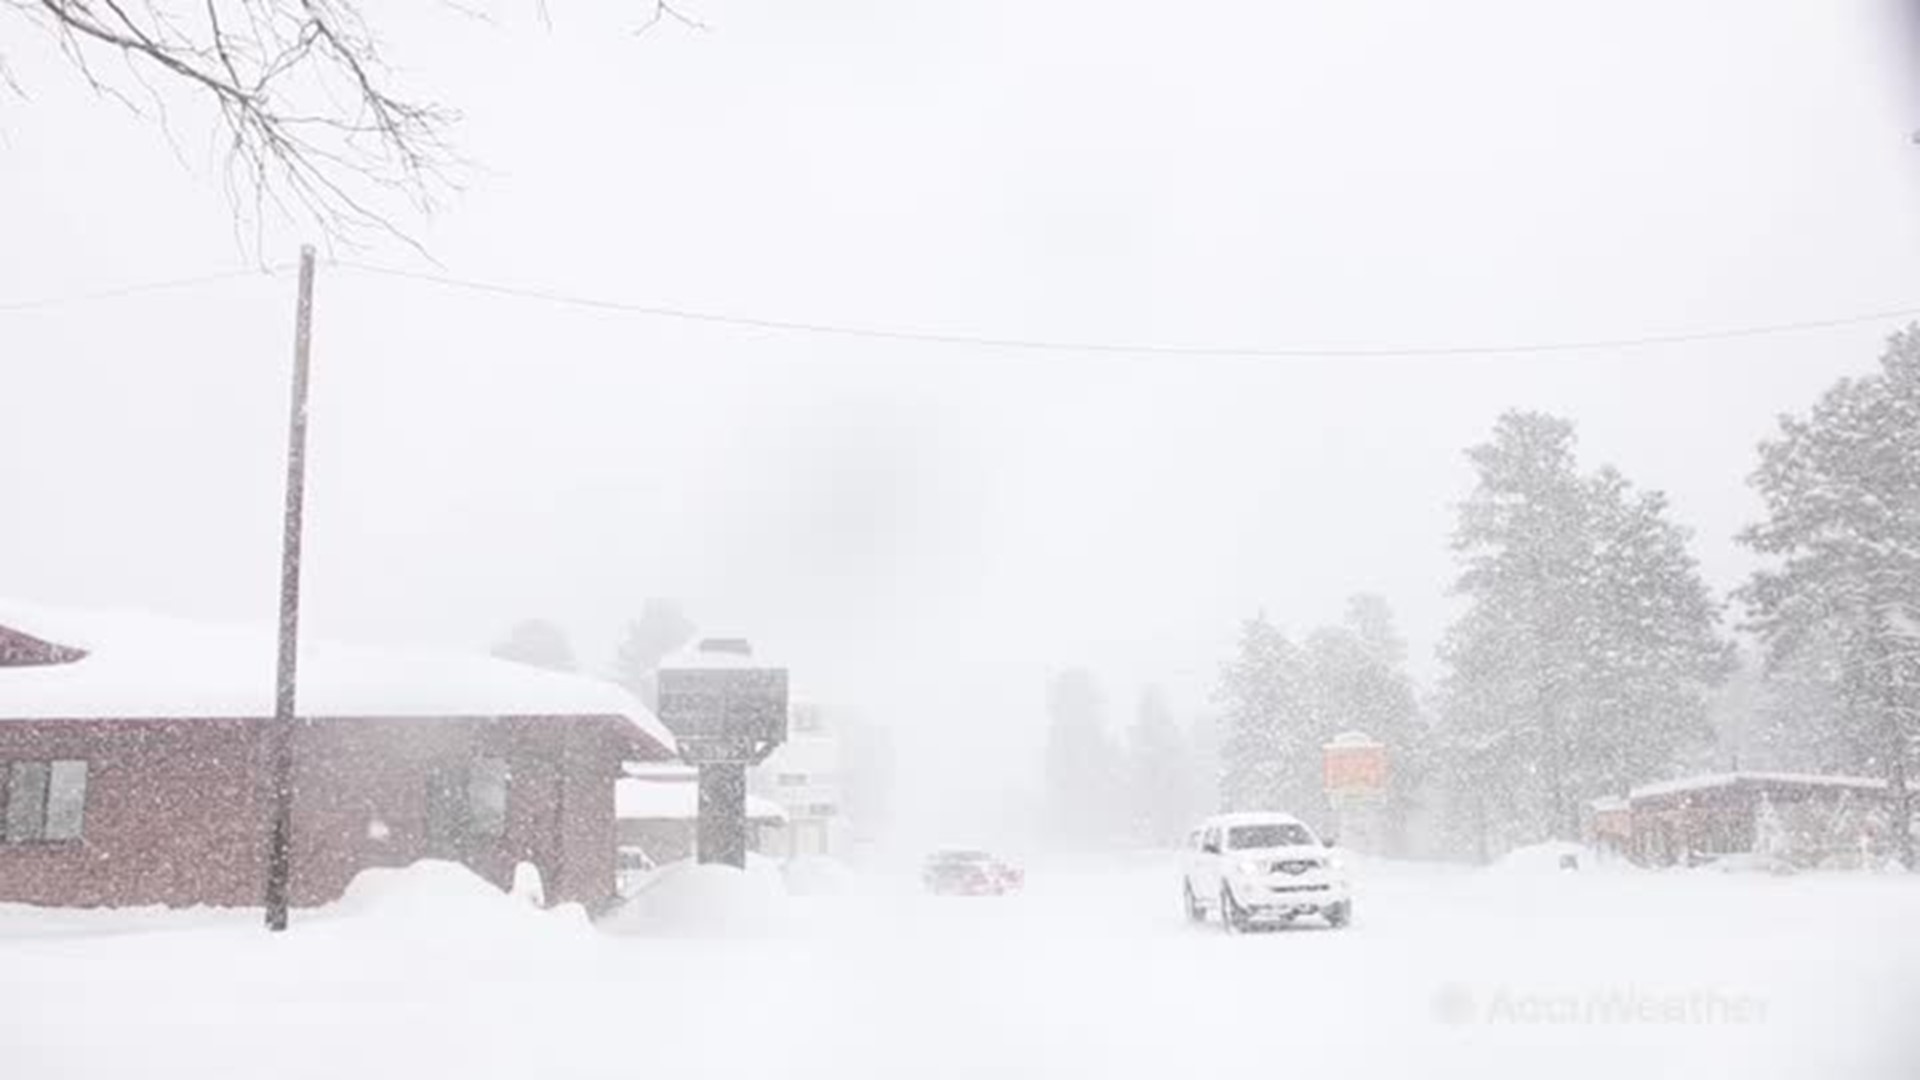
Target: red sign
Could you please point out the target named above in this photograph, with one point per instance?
(1355, 768)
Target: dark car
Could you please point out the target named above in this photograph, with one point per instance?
(960, 872)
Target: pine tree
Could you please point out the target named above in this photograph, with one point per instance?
(1588, 647)
(1161, 799)
(1842, 491)
(1083, 769)
(1270, 742)
(661, 628)
(1807, 720)
(1653, 652)
(1356, 676)
(537, 642)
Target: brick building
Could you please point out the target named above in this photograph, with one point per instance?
(1811, 818)
(132, 764)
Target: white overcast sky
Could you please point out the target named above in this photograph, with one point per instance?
(927, 530)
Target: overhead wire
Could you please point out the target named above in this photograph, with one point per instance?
(989, 341)
(936, 337)
(39, 303)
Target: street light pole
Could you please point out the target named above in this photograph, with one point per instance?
(280, 734)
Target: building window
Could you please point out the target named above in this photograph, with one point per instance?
(821, 809)
(467, 801)
(792, 779)
(46, 801)
(487, 796)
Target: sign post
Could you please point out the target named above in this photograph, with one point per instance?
(726, 712)
(1355, 776)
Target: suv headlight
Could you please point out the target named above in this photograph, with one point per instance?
(1248, 867)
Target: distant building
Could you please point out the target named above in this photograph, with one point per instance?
(132, 764)
(658, 811)
(1797, 817)
(1610, 825)
(804, 777)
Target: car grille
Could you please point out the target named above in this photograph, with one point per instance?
(1299, 888)
(1296, 866)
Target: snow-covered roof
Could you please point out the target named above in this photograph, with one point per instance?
(1720, 780)
(713, 655)
(1354, 738)
(677, 800)
(1608, 803)
(143, 666)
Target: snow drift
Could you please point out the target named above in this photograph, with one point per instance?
(688, 899)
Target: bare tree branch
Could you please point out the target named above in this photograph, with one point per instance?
(665, 10)
(312, 123)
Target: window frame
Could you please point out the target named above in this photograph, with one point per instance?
(456, 819)
(51, 800)
(484, 821)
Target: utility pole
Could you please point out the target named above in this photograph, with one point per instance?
(280, 734)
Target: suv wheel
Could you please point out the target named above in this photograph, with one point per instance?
(1232, 916)
(1340, 914)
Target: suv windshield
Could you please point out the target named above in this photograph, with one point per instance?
(1241, 837)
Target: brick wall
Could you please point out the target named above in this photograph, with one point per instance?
(175, 810)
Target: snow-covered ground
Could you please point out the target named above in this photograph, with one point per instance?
(1516, 971)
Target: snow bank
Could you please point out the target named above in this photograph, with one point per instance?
(817, 875)
(440, 901)
(689, 899)
(1548, 858)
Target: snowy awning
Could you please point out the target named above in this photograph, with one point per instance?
(1721, 780)
(142, 666)
(677, 799)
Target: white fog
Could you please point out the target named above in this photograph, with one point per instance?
(1037, 387)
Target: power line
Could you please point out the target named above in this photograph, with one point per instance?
(1108, 347)
(135, 290)
(795, 326)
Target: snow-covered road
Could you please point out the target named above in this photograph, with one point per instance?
(1092, 972)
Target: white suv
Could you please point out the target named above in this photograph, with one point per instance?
(1263, 867)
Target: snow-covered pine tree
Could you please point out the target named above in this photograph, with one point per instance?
(537, 642)
(1588, 646)
(661, 628)
(1842, 491)
(1161, 799)
(1357, 678)
(1771, 837)
(1806, 718)
(1084, 777)
(1269, 739)
(1525, 543)
(1653, 655)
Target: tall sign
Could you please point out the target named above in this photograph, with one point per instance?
(1354, 772)
(726, 712)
